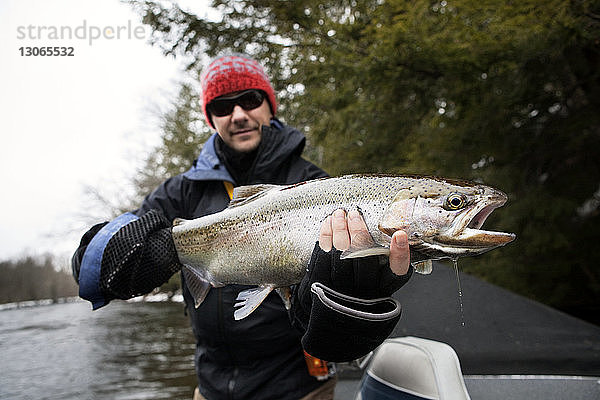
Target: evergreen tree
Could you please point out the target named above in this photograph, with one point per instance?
(504, 93)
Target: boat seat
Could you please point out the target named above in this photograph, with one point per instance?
(413, 368)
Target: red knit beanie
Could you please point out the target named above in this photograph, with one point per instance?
(233, 73)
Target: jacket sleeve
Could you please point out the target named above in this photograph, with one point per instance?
(132, 254)
(314, 172)
(303, 170)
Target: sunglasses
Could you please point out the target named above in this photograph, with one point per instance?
(248, 100)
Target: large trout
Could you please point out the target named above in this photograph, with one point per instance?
(266, 235)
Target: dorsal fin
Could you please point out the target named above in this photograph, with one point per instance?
(246, 194)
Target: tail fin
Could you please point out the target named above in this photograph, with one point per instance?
(179, 221)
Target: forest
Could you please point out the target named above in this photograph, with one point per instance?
(34, 278)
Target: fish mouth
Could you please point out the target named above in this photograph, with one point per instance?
(466, 233)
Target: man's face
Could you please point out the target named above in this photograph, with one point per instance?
(241, 129)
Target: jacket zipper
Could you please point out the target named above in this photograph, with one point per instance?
(232, 381)
(221, 326)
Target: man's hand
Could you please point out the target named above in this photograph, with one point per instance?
(344, 307)
(341, 232)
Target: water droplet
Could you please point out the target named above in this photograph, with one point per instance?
(460, 295)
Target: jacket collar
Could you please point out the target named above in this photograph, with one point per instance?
(279, 142)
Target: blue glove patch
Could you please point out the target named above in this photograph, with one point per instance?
(89, 274)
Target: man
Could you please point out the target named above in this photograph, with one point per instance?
(262, 355)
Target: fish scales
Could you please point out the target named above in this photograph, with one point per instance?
(267, 238)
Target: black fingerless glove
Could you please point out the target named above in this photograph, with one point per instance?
(343, 306)
(128, 257)
(139, 257)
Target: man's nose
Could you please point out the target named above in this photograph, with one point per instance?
(238, 114)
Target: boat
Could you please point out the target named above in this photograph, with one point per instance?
(477, 342)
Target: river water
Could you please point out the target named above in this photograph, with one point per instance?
(122, 351)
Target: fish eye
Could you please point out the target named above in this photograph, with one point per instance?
(455, 201)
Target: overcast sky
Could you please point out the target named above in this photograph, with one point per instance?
(67, 121)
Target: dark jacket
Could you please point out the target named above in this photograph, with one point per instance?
(260, 356)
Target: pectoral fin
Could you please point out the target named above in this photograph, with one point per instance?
(363, 245)
(423, 267)
(370, 251)
(250, 299)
